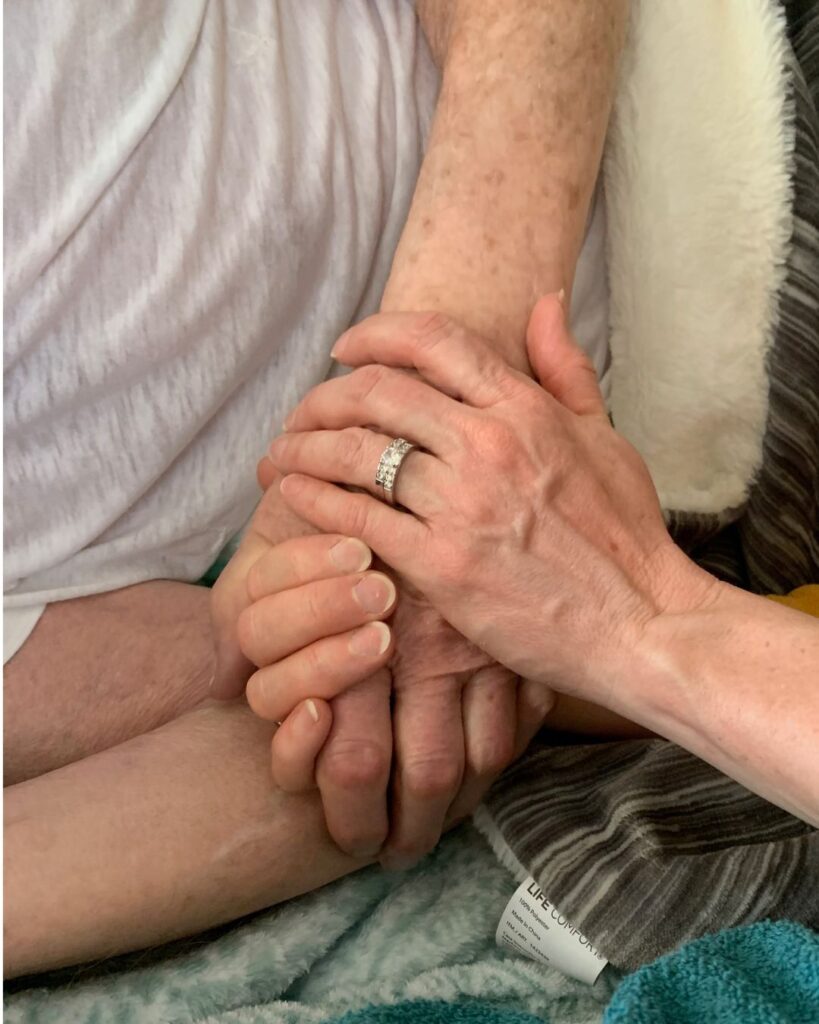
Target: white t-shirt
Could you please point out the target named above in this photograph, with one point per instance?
(199, 198)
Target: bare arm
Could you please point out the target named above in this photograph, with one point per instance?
(497, 218)
(582, 588)
(737, 683)
(500, 207)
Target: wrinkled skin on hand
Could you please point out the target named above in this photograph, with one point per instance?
(431, 733)
(535, 527)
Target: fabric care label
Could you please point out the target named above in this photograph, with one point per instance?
(532, 926)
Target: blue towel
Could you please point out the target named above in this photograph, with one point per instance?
(766, 973)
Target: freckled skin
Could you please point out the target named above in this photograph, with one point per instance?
(495, 177)
(501, 204)
(512, 159)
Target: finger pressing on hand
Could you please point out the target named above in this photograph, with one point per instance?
(353, 769)
(489, 708)
(297, 743)
(323, 669)
(534, 702)
(429, 761)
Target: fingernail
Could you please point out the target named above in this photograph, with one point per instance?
(537, 695)
(337, 346)
(561, 296)
(365, 853)
(288, 422)
(351, 555)
(371, 640)
(375, 593)
(312, 710)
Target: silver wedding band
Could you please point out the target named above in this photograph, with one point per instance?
(389, 464)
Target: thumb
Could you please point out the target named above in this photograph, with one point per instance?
(228, 600)
(561, 366)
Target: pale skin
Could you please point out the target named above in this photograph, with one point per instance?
(456, 715)
(557, 546)
(185, 829)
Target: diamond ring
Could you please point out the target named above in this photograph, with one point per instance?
(388, 466)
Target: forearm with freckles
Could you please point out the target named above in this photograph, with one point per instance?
(501, 203)
(735, 683)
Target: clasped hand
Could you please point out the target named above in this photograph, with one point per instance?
(529, 536)
(527, 521)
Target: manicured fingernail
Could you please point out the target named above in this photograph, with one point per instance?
(375, 593)
(371, 640)
(337, 346)
(351, 555)
(312, 710)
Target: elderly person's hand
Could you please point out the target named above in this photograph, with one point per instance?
(286, 608)
(531, 525)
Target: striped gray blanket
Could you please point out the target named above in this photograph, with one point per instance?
(641, 844)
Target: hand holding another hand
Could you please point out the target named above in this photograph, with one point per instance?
(303, 611)
(528, 522)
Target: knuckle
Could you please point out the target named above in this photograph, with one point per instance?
(355, 764)
(315, 604)
(351, 447)
(315, 662)
(367, 380)
(434, 327)
(359, 519)
(432, 777)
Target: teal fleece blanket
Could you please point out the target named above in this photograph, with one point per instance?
(399, 949)
(370, 939)
(765, 973)
(428, 1012)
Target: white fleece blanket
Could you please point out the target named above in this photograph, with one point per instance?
(698, 201)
